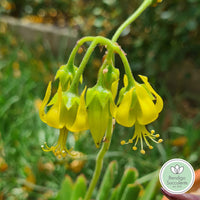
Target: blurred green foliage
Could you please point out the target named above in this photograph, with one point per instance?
(158, 44)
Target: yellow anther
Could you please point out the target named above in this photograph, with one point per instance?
(134, 148)
(157, 135)
(142, 151)
(150, 147)
(130, 141)
(123, 142)
(160, 140)
(152, 131)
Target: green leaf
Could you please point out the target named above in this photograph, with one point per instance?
(114, 193)
(150, 190)
(108, 179)
(129, 177)
(66, 189)
(79, 188)
(132, 190)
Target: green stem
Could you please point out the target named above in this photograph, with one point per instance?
(76, 48)
(126, 66)
(132, 18)
(97, 40)
(99, 160)
(76, 79)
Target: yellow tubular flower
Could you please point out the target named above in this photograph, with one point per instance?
(139, 106)
(67, 112)
(141, 103)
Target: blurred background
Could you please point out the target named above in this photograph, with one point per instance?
(163, 43)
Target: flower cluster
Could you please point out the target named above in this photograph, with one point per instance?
(138, 105)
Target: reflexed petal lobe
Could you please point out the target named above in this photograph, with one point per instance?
(44, 103)
(159, 101)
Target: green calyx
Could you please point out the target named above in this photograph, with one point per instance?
(69, 107)
(65, 75)
(99, 93)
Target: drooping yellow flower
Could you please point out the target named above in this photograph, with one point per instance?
(139, 106)
(141, 103)
(67, 112)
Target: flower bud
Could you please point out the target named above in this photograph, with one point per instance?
(110, 75)
(66, 74)
(100, 106)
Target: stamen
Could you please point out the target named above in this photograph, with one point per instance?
(141, 141)
(59, 150)
(134, 148)
(130, 141)
(142, 151)
(160, 140)
(123, 142)
(157, 135)
(141, 133)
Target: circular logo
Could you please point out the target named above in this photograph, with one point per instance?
(177, 176)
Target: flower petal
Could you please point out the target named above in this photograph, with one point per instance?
(42, 113)
(125, 80)
(146, 111)
(81, 121)
(114, 88)
(159, 101)
(53, 115)
(124, 114)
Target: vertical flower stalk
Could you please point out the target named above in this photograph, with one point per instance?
(99, 159)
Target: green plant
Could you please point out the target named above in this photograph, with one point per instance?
(126, 189)
(138, 104)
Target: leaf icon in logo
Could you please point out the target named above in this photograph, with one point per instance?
(181, 170)
(177, 169)
(173, 169)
